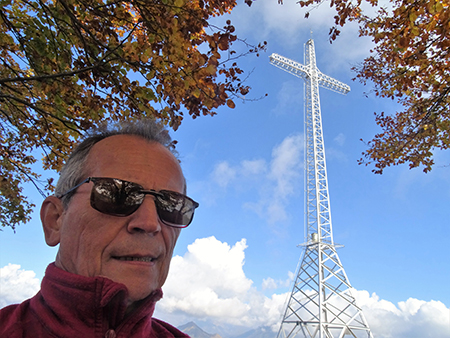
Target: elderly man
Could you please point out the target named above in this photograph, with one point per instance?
(117, 212)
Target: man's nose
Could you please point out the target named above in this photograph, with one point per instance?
(145, 218)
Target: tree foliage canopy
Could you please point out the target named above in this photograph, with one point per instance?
(68, 65)
(411, 63)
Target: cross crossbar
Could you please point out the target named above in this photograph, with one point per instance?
(303, 72)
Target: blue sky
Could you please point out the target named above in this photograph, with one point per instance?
(235, 263)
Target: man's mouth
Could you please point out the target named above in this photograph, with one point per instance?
(135, 259)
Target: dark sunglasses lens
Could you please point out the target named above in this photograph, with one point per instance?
(116, 197)
(174, 208)
(121, 198)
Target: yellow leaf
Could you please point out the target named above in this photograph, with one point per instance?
(211, 69)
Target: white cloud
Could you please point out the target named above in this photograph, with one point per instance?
(208, 285)
(16, 284)
(283, 21)
(223, 174)
(412, 318)
(290, 96)
(209, 282)
(285, 164)
(340, 139)
(274, 182)
(270, 283)
(254, 167)
(281, 181)
(214, 263)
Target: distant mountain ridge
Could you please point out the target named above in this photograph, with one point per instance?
(194, 331)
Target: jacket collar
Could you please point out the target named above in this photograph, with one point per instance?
(91, 302)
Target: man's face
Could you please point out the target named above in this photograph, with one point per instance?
(96, 244)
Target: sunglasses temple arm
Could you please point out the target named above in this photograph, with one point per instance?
(75, 187)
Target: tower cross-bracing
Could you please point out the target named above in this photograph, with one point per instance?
(322, 304)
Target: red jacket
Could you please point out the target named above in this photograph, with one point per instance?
(74, 306)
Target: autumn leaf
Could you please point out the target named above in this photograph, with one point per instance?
(230, 104)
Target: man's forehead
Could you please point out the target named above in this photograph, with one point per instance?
(128, 144)
(121, 153)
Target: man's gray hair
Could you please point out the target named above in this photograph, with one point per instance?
(74, 170)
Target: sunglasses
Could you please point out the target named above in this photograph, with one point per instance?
(116, 197)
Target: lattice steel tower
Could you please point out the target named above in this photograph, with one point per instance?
(321, 303)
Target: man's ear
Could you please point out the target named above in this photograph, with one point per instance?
(52, 210)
